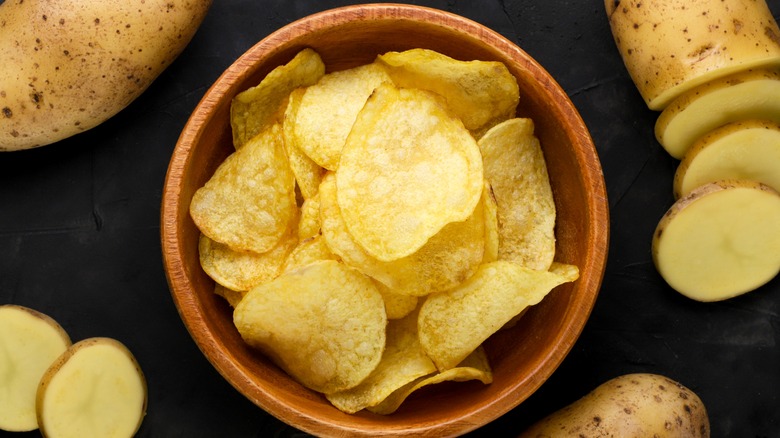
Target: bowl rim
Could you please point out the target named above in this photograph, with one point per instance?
(191, 311)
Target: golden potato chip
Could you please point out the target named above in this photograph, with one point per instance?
(397, 305)
(308, 174)
(408, 168)
(328, 109)
(480, 93)
(454, 323)
(242, 270)
(309, 225)
(403, 361)
(308, 251)
(250, 200)
(474, 367)
(444, 261)
(233, 297)
(515, 168)
(254, 109)
(324, 324)
(491, 225)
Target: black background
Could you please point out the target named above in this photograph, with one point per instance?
(79, 237)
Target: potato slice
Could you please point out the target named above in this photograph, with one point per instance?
(323, 323)
(740, 150)
(308, 251)
(670, 47)
(454, 323)
(515, 168)
(720, 241)
(249, 202)
(328, 109)
(29, 343)
(233, 297)
(752, 94)
(309, 223)
(408, 168)
(96, 388)
(480, 93)
(256, 108)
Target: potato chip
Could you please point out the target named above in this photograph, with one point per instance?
(403, 361)
(491, 225)
(250, 200)
(474, 367)
(408, 168)
(480, 93)
(514, 166)
(309, 224)
(308, 174)
(233, 297)
(328, 109)
(456, 322)
(254, 109)
(242, 270)
(324, 324)
(308, 251)
(444, 261)
(397, 305)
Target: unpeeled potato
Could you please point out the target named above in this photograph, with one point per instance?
(70, 65)
(631, 405)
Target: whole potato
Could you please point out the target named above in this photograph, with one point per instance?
(632, 405)
(69, 65)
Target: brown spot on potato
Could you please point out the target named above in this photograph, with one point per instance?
(684, 395)
(7, 113)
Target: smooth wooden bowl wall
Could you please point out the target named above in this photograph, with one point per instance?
(522, 357)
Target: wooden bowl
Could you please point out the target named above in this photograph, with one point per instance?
(522, 357)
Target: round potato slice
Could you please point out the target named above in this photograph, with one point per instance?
(324, 324)
(408, 168)
(720, 241)
(95, 388)
(250, 200)
(308, 174)
(747, 149)
(30, 341)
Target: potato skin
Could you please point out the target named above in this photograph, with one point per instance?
(632, 405)
(69, 65)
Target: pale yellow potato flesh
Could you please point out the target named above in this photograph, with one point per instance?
(720, 241)
(96, 388)
(29, 343)
(753, 94)
(70, 65)
(672, 46)
(740, 150)
(630, 405)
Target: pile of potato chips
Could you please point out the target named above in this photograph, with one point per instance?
(376, 225)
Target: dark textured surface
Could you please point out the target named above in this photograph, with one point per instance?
(79, 232)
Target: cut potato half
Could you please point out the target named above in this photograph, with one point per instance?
(720, 241)
(670, 47)
(29, 343)
(740, 150)
(752, 94)
(95, 388)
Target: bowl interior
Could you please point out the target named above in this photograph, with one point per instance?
(522, 357)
